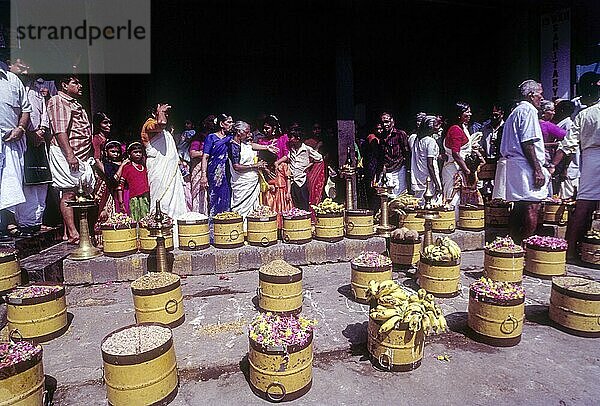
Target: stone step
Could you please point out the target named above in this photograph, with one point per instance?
(46, 265)
(40, 241)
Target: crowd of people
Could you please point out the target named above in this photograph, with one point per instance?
(539, 148)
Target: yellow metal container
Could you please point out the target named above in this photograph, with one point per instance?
(329, 227)
(297, 230)
(144, 379)
(396, 350)
(497, 215)
(148, 244)
(411, 221)
(446, 223)
(160, 305)
(361, 275)
(545, 262)
(590, 251)
(193, 235)
(22, 384)
(555, 213)
(471, 218)
(359, 224)
(278, 374)
(504, 266)
(119, 241)
(495, 323)
(262, 231)
(576, 307)
(41, 318)
(280, 293)
(405, 253)
(442, 279)
(10, 272)
(228, 233)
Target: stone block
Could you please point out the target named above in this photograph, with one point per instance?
(336, 251)
(227, 261)
(315, 252)
(203, 262)
(272, 253)
(295, 254)
(131, 267)
(103, 270)
(182, 262)
(250, 257)
(77, 272)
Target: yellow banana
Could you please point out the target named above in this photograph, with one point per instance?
(389, 324)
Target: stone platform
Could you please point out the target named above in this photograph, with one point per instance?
(220, 261)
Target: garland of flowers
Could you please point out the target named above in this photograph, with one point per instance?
(272, 330)
(33, 291)
(119, 220)
(504, 244)
(501, 292)
(14, 353)
(538, 241)
(371, 259)
(294, 212)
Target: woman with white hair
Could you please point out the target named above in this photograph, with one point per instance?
(551, 132)
(244, 166)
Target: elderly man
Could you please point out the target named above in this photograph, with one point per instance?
(396, 154)
(523, 147)
(70, 148)
(29, 214)
(14, 119)
(584, 134)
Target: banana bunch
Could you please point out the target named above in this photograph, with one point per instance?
(593, 234)
(328, 206)
(395, 306)
(403, 201)
(444, 249)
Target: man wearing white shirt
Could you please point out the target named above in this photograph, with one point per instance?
(523, 147)
(584, 135)
(14, 119)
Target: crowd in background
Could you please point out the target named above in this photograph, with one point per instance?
(227, 164)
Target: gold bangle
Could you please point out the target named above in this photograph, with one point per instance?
(21, 127)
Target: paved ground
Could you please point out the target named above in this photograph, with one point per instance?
(548, 367)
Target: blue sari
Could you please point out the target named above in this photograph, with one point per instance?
(219, 191)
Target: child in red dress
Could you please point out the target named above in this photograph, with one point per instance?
(135, 177)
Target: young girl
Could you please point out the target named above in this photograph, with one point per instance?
(277, 196)
(469, 192)
(135, 177)
(111, 166)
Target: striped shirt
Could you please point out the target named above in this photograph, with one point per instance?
(68, 116)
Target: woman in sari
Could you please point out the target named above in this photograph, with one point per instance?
(244, 167)
(199, 201)
(316, 174)
(272, 136)
(214, 166)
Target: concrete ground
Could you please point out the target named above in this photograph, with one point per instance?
(548, 367)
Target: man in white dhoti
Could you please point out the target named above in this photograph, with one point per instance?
(29, 214)
(584, 135)
(523, 147)
(14, 119)
(164, 176)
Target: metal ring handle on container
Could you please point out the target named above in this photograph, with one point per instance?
(274, 398)
(12, 333)
(513, 320)
(258, 292)
(350, 226)
(191, 244)
(170, 301)
(264, 241)
(387, 366)
(286, 238)
(232, 233)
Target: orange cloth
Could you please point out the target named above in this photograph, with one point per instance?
(276, 199)
(150, 128)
